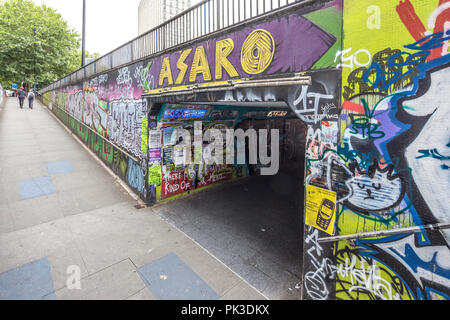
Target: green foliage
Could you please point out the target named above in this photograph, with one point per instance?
(36, 44)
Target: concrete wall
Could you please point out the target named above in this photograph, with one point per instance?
(110, 114)
(107, 113)
(395, 145)
(377, 139)
(391, 168)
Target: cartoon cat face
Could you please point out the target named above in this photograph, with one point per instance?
(374, 193)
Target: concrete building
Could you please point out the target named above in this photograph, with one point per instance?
(154, 12)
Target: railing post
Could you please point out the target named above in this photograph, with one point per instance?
(200, 20)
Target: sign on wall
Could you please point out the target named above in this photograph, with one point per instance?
(320, 208)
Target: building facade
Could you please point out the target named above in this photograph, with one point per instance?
(152, 13)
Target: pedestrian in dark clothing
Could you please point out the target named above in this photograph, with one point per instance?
(21, 95)
(30, 98)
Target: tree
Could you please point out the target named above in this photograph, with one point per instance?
(36, 44)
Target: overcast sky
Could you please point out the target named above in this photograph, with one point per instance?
(109, 23)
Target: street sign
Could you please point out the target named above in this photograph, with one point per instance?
(14, 85)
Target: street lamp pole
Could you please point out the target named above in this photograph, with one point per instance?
(83, 40)
(34, 51)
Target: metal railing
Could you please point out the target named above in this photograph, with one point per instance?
(201, 19)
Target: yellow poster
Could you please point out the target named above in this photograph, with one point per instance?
(320, 209)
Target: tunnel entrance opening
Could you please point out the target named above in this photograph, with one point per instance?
(251, 222)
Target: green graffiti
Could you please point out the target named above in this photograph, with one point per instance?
(144, 136)
(107, 152)
(145, 82)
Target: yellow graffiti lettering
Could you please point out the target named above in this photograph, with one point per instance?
(166, 72)
(223, 49)
(200, 65)
(183, 67)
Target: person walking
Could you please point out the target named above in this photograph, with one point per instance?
(21, 94)
(30, 98)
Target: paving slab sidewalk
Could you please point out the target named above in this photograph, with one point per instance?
(69, 231)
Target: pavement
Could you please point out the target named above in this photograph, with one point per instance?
(252, 225)
(69, 231)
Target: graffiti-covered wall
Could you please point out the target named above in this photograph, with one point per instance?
(304, 40)
(106, 113)
(114, 108)
(390, 173)
(298, 41)
(2, 93)
(373, 109)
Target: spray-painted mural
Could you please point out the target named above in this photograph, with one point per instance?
(376, 136)
(390, 171)
(273, 47)
(173, 140)
(107, 112)
(113, 107)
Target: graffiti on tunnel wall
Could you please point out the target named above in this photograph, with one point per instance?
(391, 168)
(377, 133)
(107, 113)
(1, 94)
(111, 104)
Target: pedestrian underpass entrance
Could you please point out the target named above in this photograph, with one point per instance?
(273, 134)
(250, 221)
(253, 77)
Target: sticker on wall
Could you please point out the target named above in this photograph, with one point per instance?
(169, 137)
(144, 135)
(329, 132)
(154, 139)
(154, 176)
(154, 155)
(320, 208)
(168, 155)
(181, 155)
(277, 114)
(184, 114)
